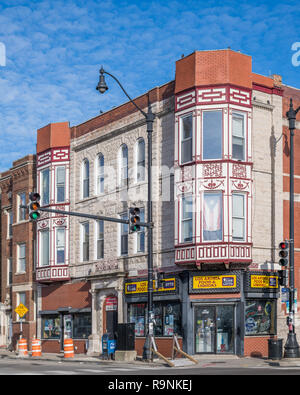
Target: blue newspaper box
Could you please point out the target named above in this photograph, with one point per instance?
(108, 345)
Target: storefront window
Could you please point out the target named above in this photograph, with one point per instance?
(51, 327)
(260, 317)
(167, 318)
(82, 326)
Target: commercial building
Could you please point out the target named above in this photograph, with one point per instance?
(220, 171)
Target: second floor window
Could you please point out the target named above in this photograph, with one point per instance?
(238, 137)
(124, 236)
(186, 127)
(85, 238)
(212, 131)
(60, 183)
(213, 216)
(238, 217)
(60, 245)
(187, 219)
(22, 201)
(45, 187)
(21, 267)
(9, 224)
(45, 251)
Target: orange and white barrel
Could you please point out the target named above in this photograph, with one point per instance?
(36, 347)
(68, 348)
(22, 347)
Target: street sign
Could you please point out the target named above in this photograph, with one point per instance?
(21, 310)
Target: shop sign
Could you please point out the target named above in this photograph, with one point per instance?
(213, 282)
(137, 287)
(111, 303)
(261, 281)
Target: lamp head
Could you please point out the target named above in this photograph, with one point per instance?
(102, 87)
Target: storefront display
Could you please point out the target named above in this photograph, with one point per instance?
(51, 327)
(260, 317)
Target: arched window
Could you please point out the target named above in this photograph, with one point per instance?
(100, 174)
(140, 160)
(85, 178)
(123, 166)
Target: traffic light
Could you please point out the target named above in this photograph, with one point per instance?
(134, 214)
(284, 253)
(34, 206)
(282, 278)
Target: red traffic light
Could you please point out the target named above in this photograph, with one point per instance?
(283, 245)
(34, 196)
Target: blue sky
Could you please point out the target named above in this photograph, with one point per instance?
(54, 50)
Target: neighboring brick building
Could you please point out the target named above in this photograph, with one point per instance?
(17, 252)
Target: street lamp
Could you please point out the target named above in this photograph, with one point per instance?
(149, 116)
(291, 345)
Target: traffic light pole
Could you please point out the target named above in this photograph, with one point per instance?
(291, 345)
(91, 216)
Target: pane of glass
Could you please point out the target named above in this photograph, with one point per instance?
(238, 125)
(238, 205)
(260, 317)
(187, 230)
(51, 327)
(60, 246)
(187, 207)
(187, 127)
(212, 217)
(187, 151)
(60, 175)
(238, 226)
(158, 316)
(82, 325)
(45, 248)
(205, 329)
(137, 316)
(238, 148)
(212, 134)
(225, 327)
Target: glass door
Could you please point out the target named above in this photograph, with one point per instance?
(214, 329)
(205, 329)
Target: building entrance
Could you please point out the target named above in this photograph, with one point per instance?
(214, 329)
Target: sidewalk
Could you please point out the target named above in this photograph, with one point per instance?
(225, 361)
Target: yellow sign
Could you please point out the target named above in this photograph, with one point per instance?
(21, 310)
(168, 284)
(258, 281)
(213, 282)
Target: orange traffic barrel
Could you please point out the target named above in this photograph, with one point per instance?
(68, 348)
(22, 346)
(36, 347)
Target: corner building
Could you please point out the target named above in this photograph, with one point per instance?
(217, 183)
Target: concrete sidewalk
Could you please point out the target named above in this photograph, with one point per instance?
(226, 361)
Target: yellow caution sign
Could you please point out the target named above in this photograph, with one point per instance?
(21, 310)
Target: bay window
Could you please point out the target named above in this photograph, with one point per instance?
(45, 187)
(60, 183)
(60, 246)
(45, 251)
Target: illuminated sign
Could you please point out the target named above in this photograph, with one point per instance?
(261, 281)
(214, 282)
(168, 284)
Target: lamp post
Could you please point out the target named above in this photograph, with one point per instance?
(291, 345)
(149, 116)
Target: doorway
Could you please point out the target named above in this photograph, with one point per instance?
(214, 329)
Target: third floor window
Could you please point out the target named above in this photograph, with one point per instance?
(212, 130)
